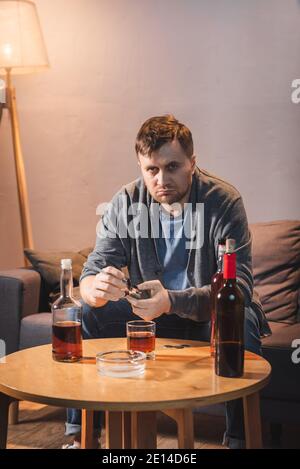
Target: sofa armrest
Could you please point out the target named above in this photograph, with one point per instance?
(19, 297)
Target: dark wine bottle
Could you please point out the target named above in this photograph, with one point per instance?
(216, 284)
(229, 356)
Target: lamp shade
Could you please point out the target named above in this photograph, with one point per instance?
(22, 47)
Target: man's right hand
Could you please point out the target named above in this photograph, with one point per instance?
(97, 290)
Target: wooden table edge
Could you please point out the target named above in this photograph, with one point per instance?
(136, 406)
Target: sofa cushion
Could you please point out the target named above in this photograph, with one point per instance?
(36, 330)
(86, 251)
(47, 263)
(278, 350)
(282, 336)
(276, 268)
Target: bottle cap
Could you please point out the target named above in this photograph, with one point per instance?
(66, 264)
(229, 266)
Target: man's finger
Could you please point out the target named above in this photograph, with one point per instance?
(108, 288)
(141, 314)
(134, 302)
(138, 312)
(149, 285)
(105, 295)
(110, 279)
(142, 304)
(113, 271)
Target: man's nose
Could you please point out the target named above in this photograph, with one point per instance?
(161, 178)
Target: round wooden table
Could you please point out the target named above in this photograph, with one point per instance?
(177, 381)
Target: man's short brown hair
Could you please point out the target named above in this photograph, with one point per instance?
(157, 131)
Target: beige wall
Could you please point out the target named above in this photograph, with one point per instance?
(224, 67)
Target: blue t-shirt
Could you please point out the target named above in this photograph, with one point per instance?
(172, 252)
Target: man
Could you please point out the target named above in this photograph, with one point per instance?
(164, 227)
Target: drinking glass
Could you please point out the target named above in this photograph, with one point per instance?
(141, 337)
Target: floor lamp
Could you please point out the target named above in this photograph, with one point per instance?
(22, 50)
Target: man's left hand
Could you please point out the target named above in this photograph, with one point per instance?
(153, 307)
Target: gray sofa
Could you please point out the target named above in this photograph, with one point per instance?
(25, 318)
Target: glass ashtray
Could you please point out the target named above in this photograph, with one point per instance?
(121, 363)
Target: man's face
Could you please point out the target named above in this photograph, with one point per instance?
(168, 173)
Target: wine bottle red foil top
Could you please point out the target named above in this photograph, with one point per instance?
(229, 266)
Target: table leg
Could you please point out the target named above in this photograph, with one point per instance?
(13, 415)
(113, 430)
(185, 426)
(144, 430)
(127, 435)
(4, 405)
(87, 430)
(252, 421)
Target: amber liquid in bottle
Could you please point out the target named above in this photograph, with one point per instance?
(66, 341)
(216, 284)
(229, 357)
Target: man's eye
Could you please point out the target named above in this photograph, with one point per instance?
(172, 167)
(151, 170)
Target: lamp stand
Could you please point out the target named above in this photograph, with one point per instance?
(26, 226)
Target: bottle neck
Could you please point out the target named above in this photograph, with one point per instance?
(220, 263)
(221, 252)
(229, 273)
(66, 283)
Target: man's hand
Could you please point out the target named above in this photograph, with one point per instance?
(106, 286)
(153, 307)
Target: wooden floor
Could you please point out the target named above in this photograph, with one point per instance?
(43, 427)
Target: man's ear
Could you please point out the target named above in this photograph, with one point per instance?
(193, 161)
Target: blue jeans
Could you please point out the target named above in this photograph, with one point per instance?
(110, 321)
